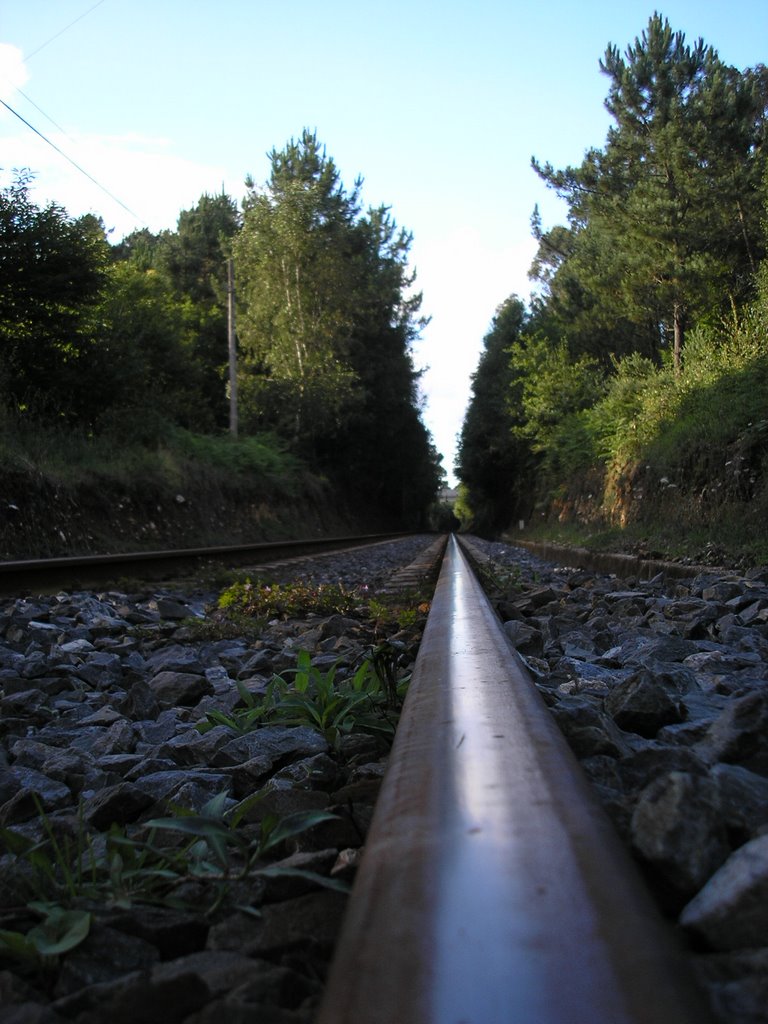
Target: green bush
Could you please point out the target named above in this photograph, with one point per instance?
(263, 455)
(287, 600)
(151, 450)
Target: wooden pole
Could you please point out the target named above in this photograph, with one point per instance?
(232, 340)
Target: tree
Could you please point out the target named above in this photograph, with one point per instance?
(195, 259)
(665, 220)
(192, 264)
(492, 462)
(382, 449)
(327, 315)
(149, 336)
(582, 279)
(296, 308)
(195, 256)
(52, 270)
(552, 389)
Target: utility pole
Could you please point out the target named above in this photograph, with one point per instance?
(232, 347)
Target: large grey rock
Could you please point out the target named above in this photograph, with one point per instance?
(175, 658)
(731, 911)
(36, 790)
(677, 829)
(118, 738)
(191, 747)
(179, 689)
(275, 741)
(524, 638)
(100, 669)
(272, 994)
(641, 705)
(137, 998)
(743, 799)
(116, 805)
(173, 933)
(105, 955)
(737, 984)
(588, 731)
(283, 926)
(740, 734)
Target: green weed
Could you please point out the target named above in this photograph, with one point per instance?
(402, 613)
(287, 600)
(58, 932)
(365, 702)
(68, 880)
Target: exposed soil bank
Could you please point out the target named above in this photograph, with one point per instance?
(40, 517)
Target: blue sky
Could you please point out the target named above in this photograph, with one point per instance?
(438, 106)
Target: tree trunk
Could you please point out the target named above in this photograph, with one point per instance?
(679, 331)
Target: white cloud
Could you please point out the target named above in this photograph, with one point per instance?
(142, 174)
(13, 72)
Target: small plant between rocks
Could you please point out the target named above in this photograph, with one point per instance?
(70, 880)
(368, 701)
(404, 613)
(262, 600)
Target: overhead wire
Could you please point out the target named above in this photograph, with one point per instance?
(48, 118)
(71, 161)
(38, 109)
(63, 30)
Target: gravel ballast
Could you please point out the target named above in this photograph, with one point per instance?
(659, 688)
(101, 694)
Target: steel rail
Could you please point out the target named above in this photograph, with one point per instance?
(492, 887)
(84, 569)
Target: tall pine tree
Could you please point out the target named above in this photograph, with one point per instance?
(666, 217)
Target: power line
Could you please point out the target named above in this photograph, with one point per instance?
(39, 110)
(71, 161)
(62, 31)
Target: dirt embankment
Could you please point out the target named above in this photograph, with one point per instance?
(44, 518)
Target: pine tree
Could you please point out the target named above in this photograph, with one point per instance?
(666, 217)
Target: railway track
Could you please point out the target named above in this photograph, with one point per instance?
(88, 570)
(493, 888)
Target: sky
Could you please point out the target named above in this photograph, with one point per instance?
(439, 107)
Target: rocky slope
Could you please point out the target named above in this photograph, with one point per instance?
(41, 517)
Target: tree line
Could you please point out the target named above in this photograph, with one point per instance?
(650, 295)
(131, 339)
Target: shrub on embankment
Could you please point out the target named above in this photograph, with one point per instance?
(636, 456)
(681, 457)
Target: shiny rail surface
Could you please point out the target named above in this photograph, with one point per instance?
(493, 887)
(90, 569)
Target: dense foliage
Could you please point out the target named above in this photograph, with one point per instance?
(489, 454)
(327, 319)
(637, 373)
(129, 342)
